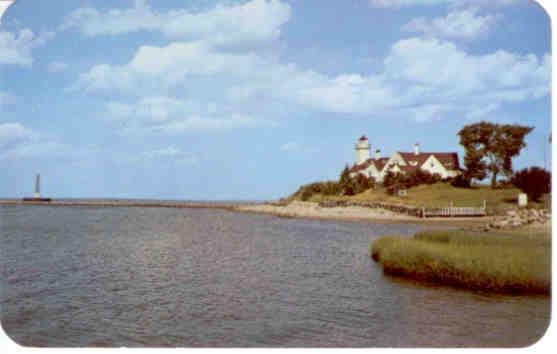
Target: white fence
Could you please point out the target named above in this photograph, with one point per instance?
(452, 211)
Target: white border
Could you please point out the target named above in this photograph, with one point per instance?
(545, 344)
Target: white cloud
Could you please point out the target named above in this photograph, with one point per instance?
(455, 3)
(171, 116)
(15, 49)
(464, 24)
(482, 112)
(417, 71)
(428, 77)
(406, 3)
(18, 142)
(57, 66)
(295, 147)
(11, 133)
(251, 23)
(169, 154)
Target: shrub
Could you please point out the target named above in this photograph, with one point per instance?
(534, 181)
(461, 181)
(326, 188)
(419, 177)
(392, 179)
(396, 181)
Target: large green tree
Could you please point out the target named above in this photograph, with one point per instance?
(490, 148)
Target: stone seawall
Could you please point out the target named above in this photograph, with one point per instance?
(395, 208)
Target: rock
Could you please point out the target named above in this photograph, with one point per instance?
(512, 213)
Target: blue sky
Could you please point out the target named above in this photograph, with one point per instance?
(249, 99)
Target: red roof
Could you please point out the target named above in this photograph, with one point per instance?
(378, 163)
(449, 160)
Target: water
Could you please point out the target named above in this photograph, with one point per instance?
(179, 277)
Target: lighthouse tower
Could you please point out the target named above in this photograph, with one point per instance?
(362, 150)
(37, 194)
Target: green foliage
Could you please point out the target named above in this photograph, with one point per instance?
(346, 185)
(395, 181)
(357, 184)
(461, 181)
(534, 181)
(324, 188)
(345, 176)
(490, 148)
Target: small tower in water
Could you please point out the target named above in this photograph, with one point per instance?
(362, 150)
(37, 187)
(37, 195)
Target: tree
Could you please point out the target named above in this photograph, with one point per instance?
(344, 177)
(533, 181)
(490, 148)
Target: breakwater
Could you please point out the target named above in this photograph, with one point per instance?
(126, 203)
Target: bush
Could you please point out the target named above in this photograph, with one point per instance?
(356, 184)
(419, 177)
(396, 181)
(392, 179)
(533, 181)
(461, 181)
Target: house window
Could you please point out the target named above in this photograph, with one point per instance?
(432, 165)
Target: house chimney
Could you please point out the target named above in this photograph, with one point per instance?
(377, 154)
(417, 149)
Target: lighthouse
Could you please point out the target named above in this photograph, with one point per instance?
(37, 194)
(362, 150)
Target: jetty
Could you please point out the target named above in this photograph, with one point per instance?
(121, 203)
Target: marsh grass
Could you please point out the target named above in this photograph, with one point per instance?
(488, 262)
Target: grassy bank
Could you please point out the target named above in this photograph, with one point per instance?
(516, 262)
(441, 195)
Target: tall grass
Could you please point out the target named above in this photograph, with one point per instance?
(500, 263)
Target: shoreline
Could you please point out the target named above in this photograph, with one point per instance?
(296, 210)
(312, 211)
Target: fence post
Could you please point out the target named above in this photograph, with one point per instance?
(451, 211)
(423, 212)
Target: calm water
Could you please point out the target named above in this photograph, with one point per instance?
(178, 277)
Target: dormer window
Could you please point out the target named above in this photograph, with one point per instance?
(414, 163)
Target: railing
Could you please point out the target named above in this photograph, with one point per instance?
(422, 212)
(453, 212)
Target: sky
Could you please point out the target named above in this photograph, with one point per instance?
(247, 100)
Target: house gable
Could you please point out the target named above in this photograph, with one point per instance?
(433, 165)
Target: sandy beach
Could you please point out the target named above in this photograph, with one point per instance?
(310, 210)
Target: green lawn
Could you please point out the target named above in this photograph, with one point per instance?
(442, 195)
(518, 261)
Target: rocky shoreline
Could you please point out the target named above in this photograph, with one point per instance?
(520, 217)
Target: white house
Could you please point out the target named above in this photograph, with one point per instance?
(443, 163)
